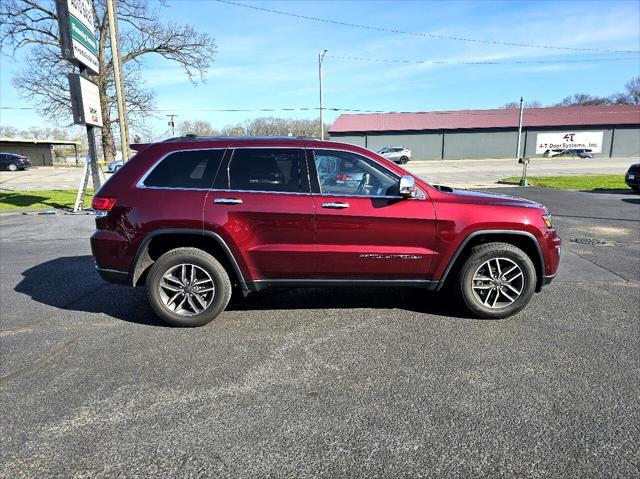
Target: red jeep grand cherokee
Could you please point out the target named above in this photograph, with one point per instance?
(192, 216)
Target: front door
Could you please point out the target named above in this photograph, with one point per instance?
(262, 207)
(365, 230)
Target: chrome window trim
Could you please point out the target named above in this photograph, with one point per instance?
(256, 191)
(140, 184)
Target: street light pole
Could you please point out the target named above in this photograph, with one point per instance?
(116, 63)
(320, 58)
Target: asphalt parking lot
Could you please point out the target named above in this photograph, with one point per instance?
(332, 383)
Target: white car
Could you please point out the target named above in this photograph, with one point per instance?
(397, 154)
(114, 166)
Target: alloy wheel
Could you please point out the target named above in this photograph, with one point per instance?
(498, 283)
(186, 289)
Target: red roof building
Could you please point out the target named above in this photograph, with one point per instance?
(489, 133)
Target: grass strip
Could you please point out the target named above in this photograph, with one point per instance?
(584, 182)
(41, 199)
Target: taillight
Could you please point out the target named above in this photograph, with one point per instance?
(343, 177)
(102, 205)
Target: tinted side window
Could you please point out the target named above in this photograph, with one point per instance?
(186, 169)
(344, 173)
(257, 169)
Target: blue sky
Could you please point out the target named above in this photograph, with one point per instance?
(270, 61)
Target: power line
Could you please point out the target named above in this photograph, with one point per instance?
(421, 34)
(488, 62)
(221, 110)
(490, 112)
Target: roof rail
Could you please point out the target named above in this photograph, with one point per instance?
(192, 137)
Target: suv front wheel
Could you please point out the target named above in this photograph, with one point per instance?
(497, 280)
(188, 287)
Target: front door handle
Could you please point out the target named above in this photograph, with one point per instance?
(335, 206)
(227, 201)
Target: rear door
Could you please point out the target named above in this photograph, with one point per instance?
(364, 229)
(261, 205)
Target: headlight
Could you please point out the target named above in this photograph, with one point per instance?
(547, 221)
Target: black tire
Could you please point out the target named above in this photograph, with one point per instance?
(479, 256)
(201, 259)
(12, 167)
(404, 160)
(116, 168)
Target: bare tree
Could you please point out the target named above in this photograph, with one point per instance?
(631, 95)
(581, 99)
(32, 24)
(272, 126)
(196, 127)
(527, 104)
(8, 131)
(633, 90)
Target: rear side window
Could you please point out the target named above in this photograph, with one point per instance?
(257, 169)
(186, 169)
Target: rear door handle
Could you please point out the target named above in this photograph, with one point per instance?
(335, 206)
(227, 201)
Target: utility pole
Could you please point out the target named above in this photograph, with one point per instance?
(320, 58)
(116, 62)
(524, 161)
(172, 124)
(520, 127)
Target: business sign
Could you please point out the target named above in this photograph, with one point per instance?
(590, 140)
(77, 32)
(85, 101)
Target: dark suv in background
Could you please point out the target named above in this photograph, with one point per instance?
(191, 217)
(632, 177)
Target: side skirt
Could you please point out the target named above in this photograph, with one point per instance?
(321, 283)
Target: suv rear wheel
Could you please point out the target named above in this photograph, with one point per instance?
(188, 287)
(497, 280)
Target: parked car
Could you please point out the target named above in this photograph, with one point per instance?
(192, 217)
(580, 153)
(14, 162)
(632, 177)
(397, 154)
(114, 166)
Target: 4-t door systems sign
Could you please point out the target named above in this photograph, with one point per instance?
(569, 140)
(85, 101)
(77, 32)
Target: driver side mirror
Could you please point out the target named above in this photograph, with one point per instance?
(407, 186)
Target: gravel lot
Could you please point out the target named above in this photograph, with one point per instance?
(333, 383)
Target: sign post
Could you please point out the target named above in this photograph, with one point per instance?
(80, 46)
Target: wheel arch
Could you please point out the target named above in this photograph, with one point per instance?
(158, 242)
(524, 240)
